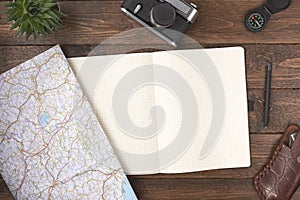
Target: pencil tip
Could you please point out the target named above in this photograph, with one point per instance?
(269, 66)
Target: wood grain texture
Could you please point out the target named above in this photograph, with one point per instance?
(284, 110)
(261, 148)
(220, 23)
(4, 191)
(285, 99)
(285, 59)
(204, 189)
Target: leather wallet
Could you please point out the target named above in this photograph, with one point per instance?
(280, 178)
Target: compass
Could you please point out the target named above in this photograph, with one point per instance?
(256, 21)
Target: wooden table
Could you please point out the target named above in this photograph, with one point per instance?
(220, 23)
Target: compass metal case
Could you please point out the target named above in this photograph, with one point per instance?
(257, 19)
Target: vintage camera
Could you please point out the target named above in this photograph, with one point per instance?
(169, 19)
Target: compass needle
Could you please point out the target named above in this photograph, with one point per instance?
(257, 19)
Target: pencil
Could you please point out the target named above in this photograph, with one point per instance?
(268, 95)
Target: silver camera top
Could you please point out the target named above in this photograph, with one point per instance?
(169, 19)
(186, 10)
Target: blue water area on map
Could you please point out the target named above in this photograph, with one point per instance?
(128, 191)
(44, 119)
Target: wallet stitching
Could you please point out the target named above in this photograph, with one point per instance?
(264, 171)
(262, 193)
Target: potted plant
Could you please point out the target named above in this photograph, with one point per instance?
(34, 17)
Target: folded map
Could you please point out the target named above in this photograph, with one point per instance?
(51, 144)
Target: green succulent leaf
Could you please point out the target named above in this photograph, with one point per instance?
(34, 17)
(50, 5)
(14, 16)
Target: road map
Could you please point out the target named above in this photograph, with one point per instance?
(51, 144)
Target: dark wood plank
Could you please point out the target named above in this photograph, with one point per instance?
(284, 110)
(193, 189)
(285, 103)
(286, 65)
(196, 189)
(11, 56)
(91, 22)
(219, 22)
(4, 191)
(262, 146)
(285, 59)
(186, 189)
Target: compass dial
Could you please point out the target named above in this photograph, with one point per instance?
(255, 21)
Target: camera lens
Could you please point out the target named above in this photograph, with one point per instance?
(163, 15)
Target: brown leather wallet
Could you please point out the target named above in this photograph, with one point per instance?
(280, 178)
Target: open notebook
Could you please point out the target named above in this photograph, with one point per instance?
(171, 111)
(51, 144)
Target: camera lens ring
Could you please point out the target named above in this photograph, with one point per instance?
(163, 15)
